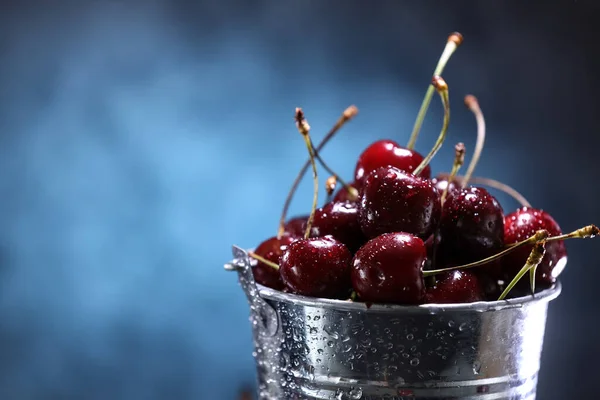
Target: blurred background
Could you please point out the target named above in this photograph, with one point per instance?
(140, 140)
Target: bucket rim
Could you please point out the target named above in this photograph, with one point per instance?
(544, 296)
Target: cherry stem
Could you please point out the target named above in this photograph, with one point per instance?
(442, 88)
(353, 296)
(534, 259)
(263, 260)
(454, 40)
(533, 270)
(537, 237)
(330, 184)
(587, 232)
(346, 116)
(494, 184)
(473, 105)
(348, 187)
(304, 130)
(502, 187)
(537, 254)
(459, 159)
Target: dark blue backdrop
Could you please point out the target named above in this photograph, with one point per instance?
(139, 141)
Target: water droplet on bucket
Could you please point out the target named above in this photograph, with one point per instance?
(414, 362)
(476, 367)
(355, 393)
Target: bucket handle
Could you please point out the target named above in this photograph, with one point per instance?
(259, 307)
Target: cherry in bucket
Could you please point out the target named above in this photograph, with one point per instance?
(391, 208)
(392, 200)
(340, 220)
(460, 286)
(270, 250)
(346, 116)
(383, 153)
(519, 225)
(336, 218)
(471, 227)
(386, 152)
(538, 240)
(472, 222)
(268, 253)
(442, 181)
(315, 266)
(295, 226)
(388, 269)
(523, 223)
(432, 242)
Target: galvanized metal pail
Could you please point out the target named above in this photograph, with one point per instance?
(307, 348)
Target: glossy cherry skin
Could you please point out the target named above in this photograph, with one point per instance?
(522, 224)
(430, 244)
(460, 286)
(340, 220)
(296, 226)
(317, 267)
(344, 195)
(384, 153)
(492, 269)
(441, 183)
(392, 200)
(472, 226)
(491, 287)
(271, 249)
(389, 269)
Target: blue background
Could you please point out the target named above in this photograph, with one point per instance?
(139, 141)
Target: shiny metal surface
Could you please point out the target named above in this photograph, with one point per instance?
(308, 348)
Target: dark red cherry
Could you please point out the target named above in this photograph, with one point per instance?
(492, 288)
(340, 220)
(460, 286)
(271, 249)
(472, 226)
(296, 226)
(388, 269)
(492, 269)
(441, 183)
(344, 195)
(384, 153)
(392, 200)
(522, 224)
(431, 242)
(317, 267)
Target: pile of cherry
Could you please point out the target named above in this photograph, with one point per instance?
(395, 235)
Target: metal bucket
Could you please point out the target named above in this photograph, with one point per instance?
(307, 348)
